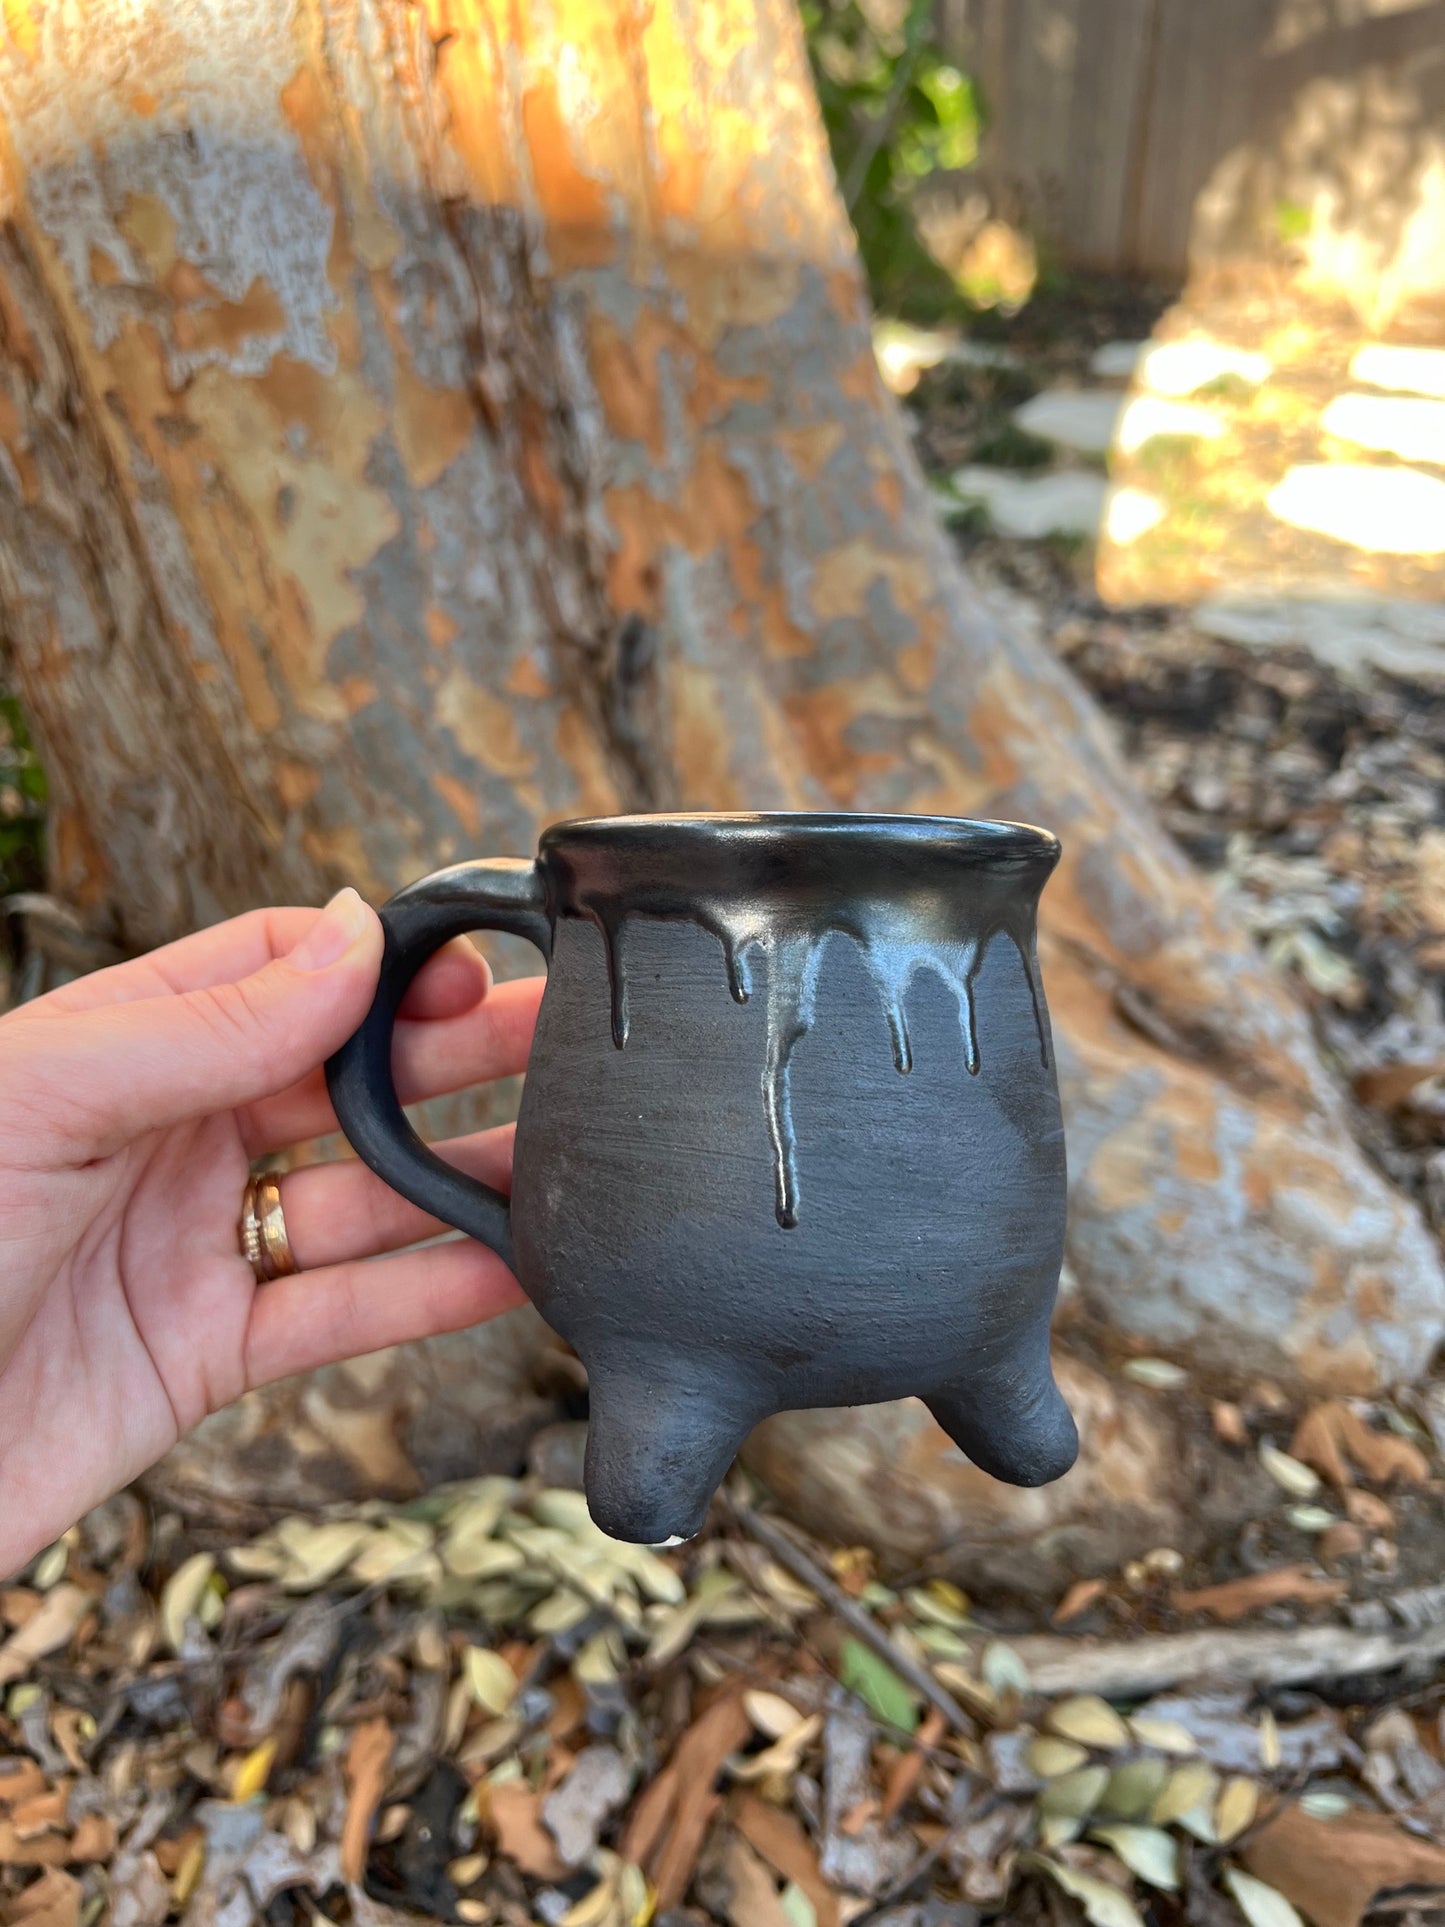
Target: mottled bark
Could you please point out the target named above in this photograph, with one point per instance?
(422, 421)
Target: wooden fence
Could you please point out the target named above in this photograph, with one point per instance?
(1140, 135)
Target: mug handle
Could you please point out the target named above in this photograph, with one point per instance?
(495, 893)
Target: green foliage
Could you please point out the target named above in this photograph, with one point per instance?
(896, 111)
(22, 805)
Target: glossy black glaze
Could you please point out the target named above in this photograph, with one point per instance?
(735, 1204)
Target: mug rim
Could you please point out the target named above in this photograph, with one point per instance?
(960, 835)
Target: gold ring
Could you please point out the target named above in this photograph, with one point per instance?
(264, 1243)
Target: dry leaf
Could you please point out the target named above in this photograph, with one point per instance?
(1167, 1736)
(1049, 1757)
(515, 1813)
(788, 1851)
(181, 1600)
(1389, 1086)
(45, 1632)
(752, 1893)
(1089, 1720)
(1238, 1597)
(491, 1679)
(1261, 1904)
(1333, 1869)
(51, 1901)
(254, 1771)
(1078, 1599)
(575, 1812)
(1333, 1436)
(770, 1713)
(697, 1758)
(367, 1758)
(1235, 1809)
(1103, 1905)
(1295, 1477)
(20, 1780)
(1148, 1852)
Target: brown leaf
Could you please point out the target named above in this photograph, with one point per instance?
(1333, 1437)
(51, 1901)
(1296, 1585)
(1369, 1510)
(752, 1896)
(93, 1839)
(1382, 1456)
(1228, 1422)
(42, 1813)
(1389, 1086)
(367, 1758)
(788, 1851)
(907, 1768)
(1315, 1442)
(697, 1757)
(20, 1780)
(1078, 1599)
(515, 1812)
(1333, 1869)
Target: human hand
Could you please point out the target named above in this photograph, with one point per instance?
(132, 1104)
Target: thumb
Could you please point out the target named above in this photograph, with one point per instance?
(164, 1060)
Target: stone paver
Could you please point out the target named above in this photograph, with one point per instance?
(1031, 507)
(1395, 424)
(1391, 511)
(1416, 371)
(1083, 419)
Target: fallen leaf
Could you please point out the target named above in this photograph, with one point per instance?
(1333, 1869)
(907, 1769)
(515, 1812)
(1148, 1852)
(1261, 1904)
(1167, 1736)
(788, 1851)
(1049, 1757)
(20, 1780)
(1333, 1437)
(1369, 1511)
(1103, 1905)
(877, 1685)
(697, 1758)
(1089, 1720)
(1073, 1796)
(753, 1899)
(254, 1771)
(45, 1632)
(770, 1713)
(1388, 1086)
(1159, 1374)
(1235, 1808)
(51, 1901)
(1238, 1597)
(181, 1600)
(493, 1683)
(1078, 1599)
(367, 1758)
(1228, 1422)
(1294, 1476)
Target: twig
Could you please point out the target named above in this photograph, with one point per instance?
(1131, 1669)
(788, 1553)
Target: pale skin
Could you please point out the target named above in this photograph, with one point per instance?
(135, 1103)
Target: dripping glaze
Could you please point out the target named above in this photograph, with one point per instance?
(913, 895)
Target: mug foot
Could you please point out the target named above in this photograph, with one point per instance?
(1014, 1426)
(658, 1447)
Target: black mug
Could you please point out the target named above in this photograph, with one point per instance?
(790, 1134)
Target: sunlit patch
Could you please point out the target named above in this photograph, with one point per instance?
(1395, 424)
(1392, 511)
(1147, 416)
(1033, 507)
(1182, 367)
(1131, 512)
(1417, 371)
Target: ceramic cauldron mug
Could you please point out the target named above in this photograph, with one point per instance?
(724, 1195)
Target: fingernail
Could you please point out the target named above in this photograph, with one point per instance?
(341, 924)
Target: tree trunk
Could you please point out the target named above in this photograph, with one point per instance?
(422, 421)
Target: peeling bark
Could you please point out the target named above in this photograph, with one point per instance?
(422, 421)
